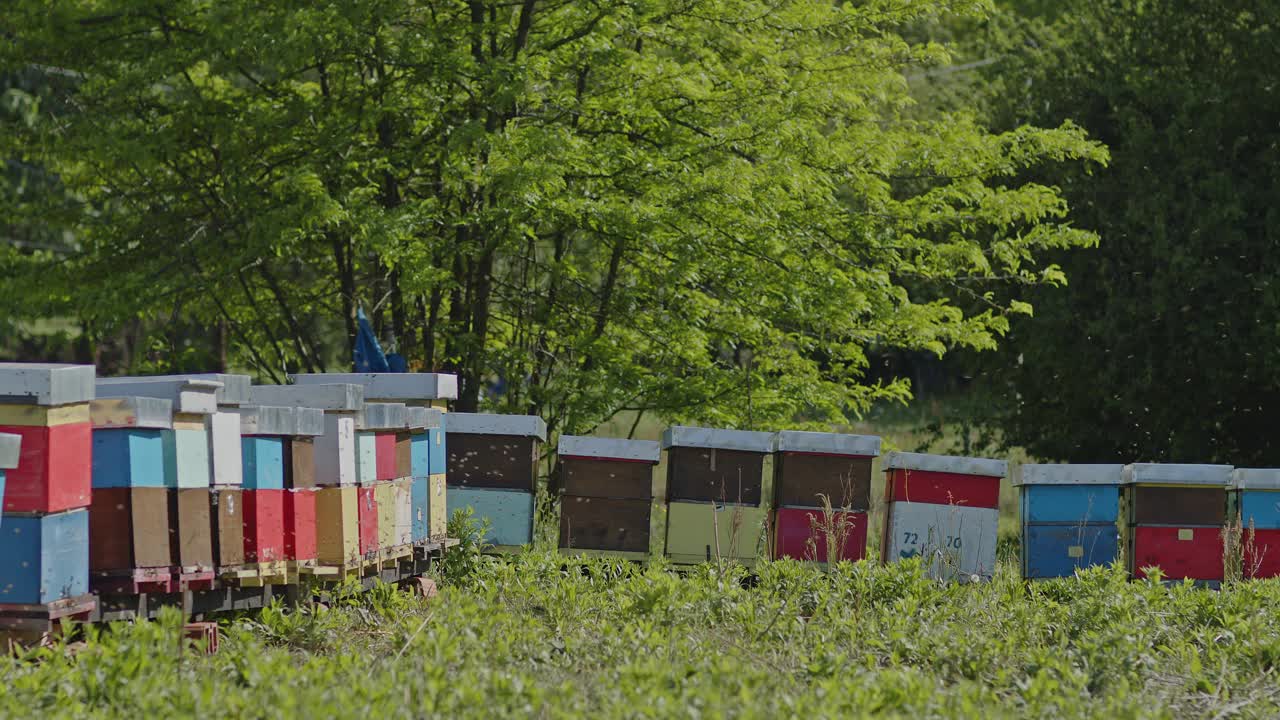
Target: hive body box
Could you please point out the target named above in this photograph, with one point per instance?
(607, 495)
(44, 558)
(810, 467)
(186, 447)
(427, 491)
(1256, 495)
(278, 453)
(715, 484)
(1070, 517)
(337, 526)
(1174, 516)
(493, 468)
(943, 509)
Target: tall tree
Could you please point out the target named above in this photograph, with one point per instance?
(1165, 344)
(704, 210)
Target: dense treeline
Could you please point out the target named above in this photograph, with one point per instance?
(1165, 343)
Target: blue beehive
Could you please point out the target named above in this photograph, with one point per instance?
(508, 512)
(44, 558)
(1257, 497)
(438, 458)
(263, 459)
(127, 458)
(1070, 517)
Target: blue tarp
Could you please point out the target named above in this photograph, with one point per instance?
(367, 355)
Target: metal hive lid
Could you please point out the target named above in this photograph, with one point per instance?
(1063, 474)
(187, 395)
(1255, 479)
(827, 443)
(609, 448)
(719, 439)
(338, 398)
(1177, 474)
(946, 464)
(493, 424)
(383, 416)
(46, 383)
(395, 387)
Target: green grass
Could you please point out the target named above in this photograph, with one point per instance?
(528, 637)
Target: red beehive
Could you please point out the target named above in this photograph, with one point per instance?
(300, 524)
(368, 524)
(910, 480)
(1261, 553)
(55, 468)
(387, 466)
(802, 534)
(263, 525)
(1175, 516)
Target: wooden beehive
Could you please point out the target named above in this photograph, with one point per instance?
(335, 447)
(713, 465)
(1174, 517)
(368, 512)
(129, 528)
(943, 509)
(1070, 517)
(129, 442)
(607, 494)
(300, 532)
(493, 468)
(226, 513)
(1256, 496)
(263, 525)
(337, 525)
(810, 466)
(813, 535)
(47, 407)
(192, 537)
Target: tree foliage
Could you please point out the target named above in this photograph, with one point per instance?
(1164, 344)
(707, 210)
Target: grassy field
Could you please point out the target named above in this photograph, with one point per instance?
(532, 637)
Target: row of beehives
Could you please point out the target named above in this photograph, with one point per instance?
(172, 483)
(1175, 517)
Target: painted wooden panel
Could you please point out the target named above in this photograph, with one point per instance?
(366, 458)
(1070, 503)
(124, 458)
(368, 520)
(799, 479)
(385, 495)
(386, 456)
(957, 542)
(129, 528)
(1050, 551)
(1186, 552)
(337, 525)
(439, 456)
(500, 462)
(336, 452)
(595, 477)
(227, 514)
(942, 488)
(596, 523)
(804, 534)
(420, 454)
(509, 512)
(187, 457)
(263, 525)
(224, 449)
(420, 499)
(404, 455)
(263, 462)
(404, 511)
(698, 531)
(714, 475)
(1177, 505)
(44, 558)
(2, 497)
(439, 507)
(43, 415)
(300, 512)
(194, 537)
(1261, 553)
(299, 463)
(54, 470)
(1260, 509)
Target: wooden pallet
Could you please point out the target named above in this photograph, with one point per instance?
(134, 582)
(194, 579)
(47, 618)
(257, 574)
